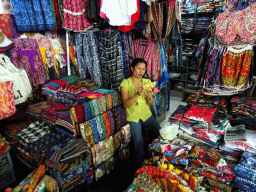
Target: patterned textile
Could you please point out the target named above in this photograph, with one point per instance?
(103, 103)
(6, 100)
(107, 124)
(100, 129)
(92, 109)
(103, 128)
(98, 153)
(86, 133)
(110, 54)
(126, 135)
(88, 59)
(124, 40)
(26, 55)
(93, 124)
(112, 122)
(89, 95)
(87, 111)
(6, 25)
(236, 75)
(57, 13)
(115, 99)
(148, 50)
(110, 165)
(117, 141)
(200, 114)
(99, 106)
(109, 148)
(95, 107)
(34, 131)
(110, 102)
(104, 91)
(74, 16)
(119, 117)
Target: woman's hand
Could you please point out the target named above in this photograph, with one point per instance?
(140, 91)
(149, 95)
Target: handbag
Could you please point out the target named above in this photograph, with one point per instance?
(21, 85)
(7, 106)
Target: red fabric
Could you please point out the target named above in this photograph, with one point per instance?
(134, 18)
(79, 109)
(61, 82)
(202, 113)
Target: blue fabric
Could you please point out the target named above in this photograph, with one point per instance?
(39, 14)
(136, 133)
(48, 14)
(49, 152)
(87, 111)
(31, 13)
(165, 75)
(104, 91)
(125, 54)
(141, 25)
(95, 132)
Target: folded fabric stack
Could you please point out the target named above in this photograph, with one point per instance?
(35, 110)
(187, 25)
(245, 172)
(68, 93)
(69, 162)
(187, 45)
(218, 5)
(88, 84)
(27, 137)
(64, 123)
(248, 145)
(200, 99)
(89, 95)
(201, 25)
(205, 6)
(12, 130)
(50, 112)
(50, 88)
(103, 152)
(243, 111)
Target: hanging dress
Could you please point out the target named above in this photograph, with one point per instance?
(26, 55)
(74, 15)
(236, 66)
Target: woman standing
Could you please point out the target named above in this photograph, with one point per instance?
(136, 101)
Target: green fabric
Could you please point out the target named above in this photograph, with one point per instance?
(102, 127)
(99, 106)
(92, 109)
(70, 79)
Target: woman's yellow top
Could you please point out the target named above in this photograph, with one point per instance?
(139, 109)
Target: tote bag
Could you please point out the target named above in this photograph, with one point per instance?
(21, 85)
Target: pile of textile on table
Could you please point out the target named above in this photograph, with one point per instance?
(179, 165)
(245, 172)
(203, 123)
(243, 111)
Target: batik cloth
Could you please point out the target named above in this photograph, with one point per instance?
(86, 133)
(103, 128)
(126, 135)
(87, 111)
(119, 117)
(107, 124)
(236, 65)
(112, 122)
(96, 135)
(34, 132)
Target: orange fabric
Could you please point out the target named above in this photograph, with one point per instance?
(107, 124)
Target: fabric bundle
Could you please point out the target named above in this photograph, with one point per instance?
(119, 117)
(64, 122)
(51, 88)
(70, 91)
(88, 95)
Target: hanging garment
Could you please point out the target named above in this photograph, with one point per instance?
(119, 12)
(124, 40)
(74, 15)
(149, 51)
(156, 15)
(48, 55)
(87, 57)
(110, 54)
(57, 13)
(26, 55)
(33, 15)
(236, 66)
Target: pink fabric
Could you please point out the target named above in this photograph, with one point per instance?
(199, 113)
(75, 15)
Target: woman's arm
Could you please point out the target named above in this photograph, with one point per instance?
(127, 102)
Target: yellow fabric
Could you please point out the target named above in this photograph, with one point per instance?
(139, 109)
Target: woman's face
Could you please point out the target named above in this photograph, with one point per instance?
(139, 70)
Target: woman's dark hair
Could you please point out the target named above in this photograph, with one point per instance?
(138, 60)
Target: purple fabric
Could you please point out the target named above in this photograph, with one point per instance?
(31, 54)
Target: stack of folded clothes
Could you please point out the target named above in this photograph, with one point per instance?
(187, 25)
(205, 6)
(245, 172)
(218, 5)
(35, 110)
(89, 95)
(69, 162)
(68, 93)
(50, 88)
(188, 46)
(202, 24)
(88, 84)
